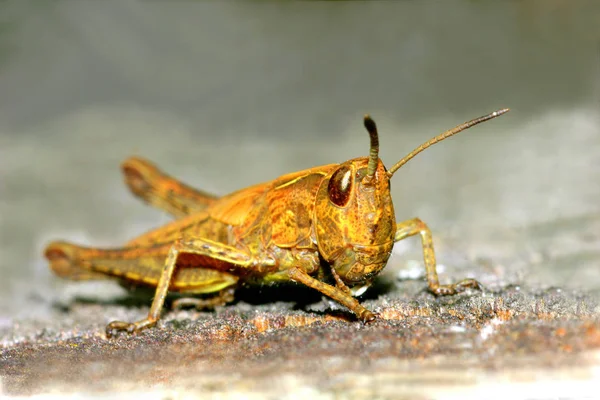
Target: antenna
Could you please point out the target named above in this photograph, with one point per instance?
(439, 138)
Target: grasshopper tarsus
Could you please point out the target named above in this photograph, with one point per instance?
(368, 317)
(458, 287)
(468, 284)
(334, 220)
(113, 328)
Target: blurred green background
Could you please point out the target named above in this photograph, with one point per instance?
(227, 94)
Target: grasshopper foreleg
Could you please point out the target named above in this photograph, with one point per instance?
(416, 226)
(198, 246)
(346, 299)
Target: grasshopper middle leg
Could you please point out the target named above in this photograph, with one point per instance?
(417, 227)
(223, 297)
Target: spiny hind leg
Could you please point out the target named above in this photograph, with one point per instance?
(220, 299)
(160, 190)
(134, 264)
(67, 261)
(417, 227)
(204, 247)
(157, 303)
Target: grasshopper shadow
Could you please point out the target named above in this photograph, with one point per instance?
(138, 297)
(300, 296)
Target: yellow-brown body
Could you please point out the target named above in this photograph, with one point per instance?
(330, 227)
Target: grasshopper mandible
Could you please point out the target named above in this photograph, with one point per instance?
(331, 228)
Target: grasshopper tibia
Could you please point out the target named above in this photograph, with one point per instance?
(336, 294)
(416, 226)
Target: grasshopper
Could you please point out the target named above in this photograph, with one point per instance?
(331, 228)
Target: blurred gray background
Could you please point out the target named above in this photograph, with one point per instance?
(227, 94)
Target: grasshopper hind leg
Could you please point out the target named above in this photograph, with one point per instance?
(65, 261)
(158, 189)
(151, 266)
(417, 227)
(182, 247)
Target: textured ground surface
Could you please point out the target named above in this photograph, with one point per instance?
(420, 348)
(225, 95)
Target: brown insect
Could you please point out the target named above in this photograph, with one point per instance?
(331, 228)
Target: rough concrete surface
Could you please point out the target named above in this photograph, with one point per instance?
(227, 94)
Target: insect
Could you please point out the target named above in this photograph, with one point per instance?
(331, 228)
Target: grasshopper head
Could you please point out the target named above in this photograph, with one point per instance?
(355, 221)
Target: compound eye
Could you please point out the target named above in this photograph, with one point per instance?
(340, 186)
